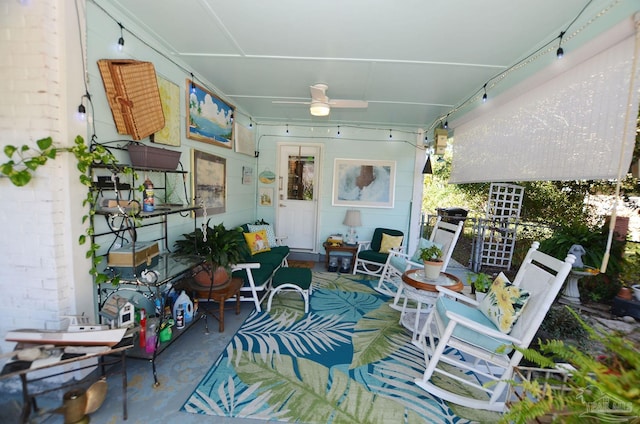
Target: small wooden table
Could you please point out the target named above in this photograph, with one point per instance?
(348, 248)
(221, 294)
(424, 292)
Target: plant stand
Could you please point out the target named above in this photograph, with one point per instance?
(571, 292)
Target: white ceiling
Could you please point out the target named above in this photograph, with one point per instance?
(412, 60)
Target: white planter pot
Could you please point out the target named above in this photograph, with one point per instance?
(432, 270)
(480, 296)
(636, 291)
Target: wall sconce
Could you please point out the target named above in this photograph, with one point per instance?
(351, 220)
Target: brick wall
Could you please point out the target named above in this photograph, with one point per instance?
(39, 222)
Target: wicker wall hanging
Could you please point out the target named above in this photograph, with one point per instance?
(133, 95)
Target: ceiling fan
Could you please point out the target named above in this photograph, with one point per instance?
(320, 104)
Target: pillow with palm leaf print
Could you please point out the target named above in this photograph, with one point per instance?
(503, 303)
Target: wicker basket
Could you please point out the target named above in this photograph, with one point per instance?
(133, 95)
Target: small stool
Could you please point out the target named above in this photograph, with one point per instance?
(221, 294)
(298, 279)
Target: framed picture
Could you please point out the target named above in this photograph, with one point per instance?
(209, 186)
(364, 183)
(247, 175)
(170, 99)
(209, 118)
(265, 197)
(243, 140)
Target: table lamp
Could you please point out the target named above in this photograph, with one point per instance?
(352, 220)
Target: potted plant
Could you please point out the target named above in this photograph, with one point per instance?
(432, 258)
(481, 283)
(221, 248)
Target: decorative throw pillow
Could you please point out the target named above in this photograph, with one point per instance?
(271, 234)
(503, 303)
(389, 242)
(423, 244)
(257, 241)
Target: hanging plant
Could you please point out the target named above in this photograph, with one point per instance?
(25, 160)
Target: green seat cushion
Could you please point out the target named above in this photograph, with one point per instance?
(260, 275)
(270, 258)
(283, 251)
(373, 256)
(466, 334)
(300, 277)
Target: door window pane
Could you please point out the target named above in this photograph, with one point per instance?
(300, 178)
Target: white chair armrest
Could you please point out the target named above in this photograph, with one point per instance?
(280, 239)
(398, 253)
(459, 319)
(363, 245)
(247, 266)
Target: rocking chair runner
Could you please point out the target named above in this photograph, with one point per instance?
(461, 325)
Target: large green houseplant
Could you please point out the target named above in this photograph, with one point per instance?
(219, 247)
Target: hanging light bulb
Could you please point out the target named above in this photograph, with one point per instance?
(484, 96)
(231, 117)
(338, 130)
(560, 51)
(193, 86)
(82, 112)
(390, 135)
(287, 128)
(121, 39)
(446, 123)
(250, 123)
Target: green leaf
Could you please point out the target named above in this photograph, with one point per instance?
(9, 150)
(20, 178)
(44, 143)
(376, 336)
(82, 239)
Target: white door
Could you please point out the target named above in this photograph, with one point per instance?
(297, 214)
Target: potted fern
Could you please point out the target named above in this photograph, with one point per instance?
(432, 258)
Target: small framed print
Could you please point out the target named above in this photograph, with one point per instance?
(265, 197)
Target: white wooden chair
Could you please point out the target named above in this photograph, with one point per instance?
(456, 325)
(443, 234)
(368, 259)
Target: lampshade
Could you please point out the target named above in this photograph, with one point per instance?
(319, 109)
(427, 166)
(352, 218)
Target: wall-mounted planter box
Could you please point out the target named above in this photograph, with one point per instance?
(153, 157)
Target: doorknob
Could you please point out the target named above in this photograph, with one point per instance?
(282, 206)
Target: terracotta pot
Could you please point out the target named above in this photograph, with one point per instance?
(625, 293)
(203, 278)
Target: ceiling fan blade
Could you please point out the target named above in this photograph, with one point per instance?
(287, 102)
(356, 104)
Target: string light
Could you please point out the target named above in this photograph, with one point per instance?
(250, 123)
(338, 130)
(121, 39)
(287, 128)
(82, 110)
(446, 122)
(193, 86)
(484, 96)
(390, 135)
(560, 51)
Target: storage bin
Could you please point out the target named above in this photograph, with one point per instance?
(127, 264)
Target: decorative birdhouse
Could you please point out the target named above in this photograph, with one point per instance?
(119, 311)
(440, 136)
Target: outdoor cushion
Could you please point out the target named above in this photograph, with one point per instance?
(373, 256)
(271, 234)
(503, 303)
(389, 242)
(467, 334)
(376, 240)
(257, 242)
(260, 275)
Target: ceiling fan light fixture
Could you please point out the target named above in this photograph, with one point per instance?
(319, 109)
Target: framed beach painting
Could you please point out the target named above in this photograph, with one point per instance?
(209, 118)
(209, 186)
(364, 183)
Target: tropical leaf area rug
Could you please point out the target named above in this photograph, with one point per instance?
(346, 361)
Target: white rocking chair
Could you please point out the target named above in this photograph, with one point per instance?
(390, 282)
(460, 327)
